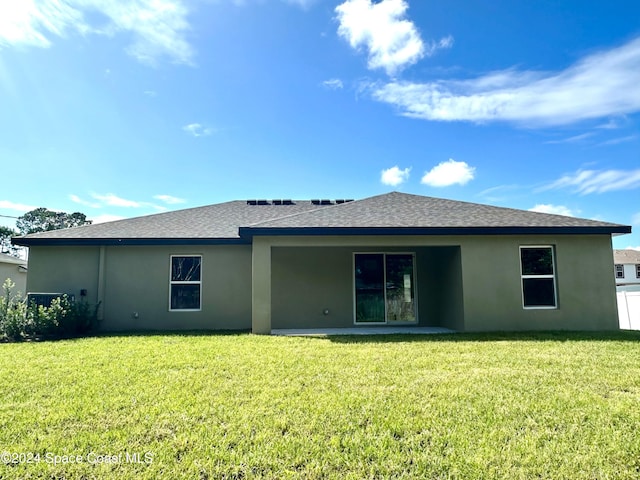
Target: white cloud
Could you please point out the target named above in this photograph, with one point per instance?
(448, 173)
(611, 124)
(106, 218)
(392, 41)
(169, 200)
(394, 176)
(433, 47)
(18, 207)
(157, 27)
(114, 201)
(599, 85)
(333, 84)
(597, 181)
(77, 199)
(197, 130)
(301, 3)
(554, 209)
(616, 141)
(633, 248)
(573, 139)
(499, 193)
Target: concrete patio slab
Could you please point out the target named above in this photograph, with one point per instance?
(324, 332)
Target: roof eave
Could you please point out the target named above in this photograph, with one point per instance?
(247, 232)
(76, 242)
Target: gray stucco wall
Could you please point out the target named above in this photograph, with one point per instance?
(467, 283)
(440, 286)
(585, 286)
(136, 281)
(307, 280)
(64, 270)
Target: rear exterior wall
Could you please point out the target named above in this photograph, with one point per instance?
(135, 284)
(467, 283)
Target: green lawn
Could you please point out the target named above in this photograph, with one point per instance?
(512, 406)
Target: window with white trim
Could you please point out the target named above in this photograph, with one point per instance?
(637, 270)
(537, 267)
(185, 283)
(619, 270)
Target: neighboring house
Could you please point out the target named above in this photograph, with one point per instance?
(627, 269)
(392, 259)
(15, 269)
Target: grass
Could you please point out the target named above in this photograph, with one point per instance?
(516, 406)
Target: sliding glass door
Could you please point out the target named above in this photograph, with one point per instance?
(384, 288)
(369, 281)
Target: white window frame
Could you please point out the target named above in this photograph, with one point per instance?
(181, 282)
(384, 261)
(619, 270)
(552, 276)
(637, 270)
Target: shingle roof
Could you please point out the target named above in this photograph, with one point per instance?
(219, 221)
(393, 213)
(393, 210)
(626, 256)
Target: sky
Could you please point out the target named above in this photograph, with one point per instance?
(119, 109)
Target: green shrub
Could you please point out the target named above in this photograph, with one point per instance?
(63, 318)
(75, 318)
(12, 312)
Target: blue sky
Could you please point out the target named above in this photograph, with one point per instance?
(126, 108)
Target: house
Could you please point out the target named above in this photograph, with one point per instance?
(627, 269)
(15, 269)
(392, 259)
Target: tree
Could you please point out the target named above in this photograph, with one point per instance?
(44, 220)
(5, 241)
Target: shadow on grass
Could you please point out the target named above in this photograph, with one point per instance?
(132, 333)
(527, 336)
(555, 336)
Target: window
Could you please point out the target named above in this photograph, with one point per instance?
(619, 271)
(185, 282)
(637, 270)
(538, 277)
